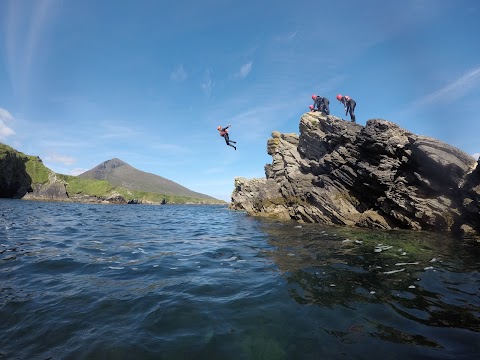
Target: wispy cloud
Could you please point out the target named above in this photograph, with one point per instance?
(454, 90)
(61, 159)
(115, 130)
(287, 38)
(207, 85)
(179, 74)
(244, 70)
(78, 171)
(25, 24)
(5, 130)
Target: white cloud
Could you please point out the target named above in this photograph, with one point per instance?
(179, 74)
(5, 115)
(77, 171)
(63, 159)
(244, 70)
(476, 156)
(454, 90)
(5, 130)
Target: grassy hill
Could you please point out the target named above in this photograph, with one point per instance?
(20, 171)
(120, 174)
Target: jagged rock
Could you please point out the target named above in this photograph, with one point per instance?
(115, 198)
(53, 189)
(15, 182)
(377, 176)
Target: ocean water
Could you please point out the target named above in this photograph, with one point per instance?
(84, 281)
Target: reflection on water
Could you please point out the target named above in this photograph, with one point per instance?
(201, 282)
(403, 286)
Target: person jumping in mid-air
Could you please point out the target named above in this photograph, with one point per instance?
(321, 104)
(224, 133)
(348, 104)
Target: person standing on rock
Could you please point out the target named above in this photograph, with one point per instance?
(224, 133)
(321, 104)
(348, 104)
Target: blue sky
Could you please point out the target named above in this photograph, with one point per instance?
(82, 82)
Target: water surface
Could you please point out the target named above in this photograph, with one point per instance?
(84, 281)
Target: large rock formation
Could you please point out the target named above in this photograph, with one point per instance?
(378, 176)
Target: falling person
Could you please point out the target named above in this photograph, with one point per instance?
(224, 133)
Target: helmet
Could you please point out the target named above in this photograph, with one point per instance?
(219, 127)
(314, 97)
(339, 97)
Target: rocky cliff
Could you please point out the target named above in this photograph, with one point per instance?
(377, 176)
(26, 177)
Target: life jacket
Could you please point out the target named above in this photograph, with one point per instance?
(223, 132)
(347, 98)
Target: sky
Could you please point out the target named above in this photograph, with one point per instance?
(149, 81)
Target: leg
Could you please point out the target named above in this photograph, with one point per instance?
(352, 110)
(227, 139)
(326, 105)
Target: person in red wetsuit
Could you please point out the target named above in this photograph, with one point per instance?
(224, 133)
(348, 104)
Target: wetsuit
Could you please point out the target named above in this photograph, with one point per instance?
(224, 133)
(349, 105)
(322, 104)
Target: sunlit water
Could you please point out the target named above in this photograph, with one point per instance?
(203, 282)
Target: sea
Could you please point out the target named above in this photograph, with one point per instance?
(92, 281)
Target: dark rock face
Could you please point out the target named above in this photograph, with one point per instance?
(378, 176)
(14, 180)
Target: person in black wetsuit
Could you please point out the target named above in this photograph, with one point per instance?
(321, 104)
(348, 104)
(224, 133)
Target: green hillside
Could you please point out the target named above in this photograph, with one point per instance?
(26, 171)
(121, 174)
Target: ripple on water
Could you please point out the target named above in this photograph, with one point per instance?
(94, 282)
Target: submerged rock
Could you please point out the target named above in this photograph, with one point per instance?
(376, 176)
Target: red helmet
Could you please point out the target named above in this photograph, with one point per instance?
(219, 127)
(314, 97)
(339, 97)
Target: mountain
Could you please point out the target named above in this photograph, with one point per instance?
(25, 177)
(120, 174)
(377, 176)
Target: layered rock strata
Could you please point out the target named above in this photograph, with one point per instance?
(378, 176)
